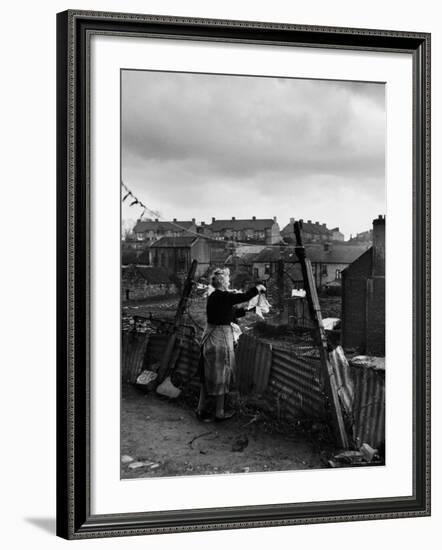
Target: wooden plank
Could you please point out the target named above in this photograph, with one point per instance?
(315, 310)
(166, 361)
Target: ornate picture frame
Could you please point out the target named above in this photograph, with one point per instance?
(74, 31)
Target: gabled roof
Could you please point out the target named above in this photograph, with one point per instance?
(175, 242)
(219, 255)
(241, 225)
(336, 254)
(153, 225)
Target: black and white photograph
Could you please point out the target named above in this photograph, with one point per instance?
(253, 215)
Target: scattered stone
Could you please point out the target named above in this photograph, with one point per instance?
(246, 469)
(154, 466)
(135, 465)
(125, 459)
(240, 444)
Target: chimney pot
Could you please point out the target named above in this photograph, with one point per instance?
(213, 219)
(253, 218)
(203, 223)
(174, 219)
(233, 218)
(274, 218)
(157, 220)
(193, 220)
(292, 220)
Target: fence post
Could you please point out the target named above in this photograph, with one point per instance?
(315, 312)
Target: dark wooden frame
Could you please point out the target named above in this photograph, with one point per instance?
(74, 519)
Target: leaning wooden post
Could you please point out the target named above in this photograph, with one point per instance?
(315, 312)
(166, 360)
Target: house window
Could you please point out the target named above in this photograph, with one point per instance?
(324, 269)
(338, 274)
(255, 273)
(267, 269)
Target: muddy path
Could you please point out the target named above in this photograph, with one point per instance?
(168, 439)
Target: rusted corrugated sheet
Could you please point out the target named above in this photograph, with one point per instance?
(294, 384)
(253, 363)
(133, 355)
(344, 381)
(369, 406)
(187, 364)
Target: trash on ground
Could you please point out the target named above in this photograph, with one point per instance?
(146, 377)
(366, 455)
(368, 452)
(125, 459)
(167, 389)
(331, 323)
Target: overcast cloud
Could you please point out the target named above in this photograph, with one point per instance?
(197, 146)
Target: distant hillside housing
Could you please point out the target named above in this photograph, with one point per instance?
(311, 232)
(366, 237)
(252, 230)
(152, 230)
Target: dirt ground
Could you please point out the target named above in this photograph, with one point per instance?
(168, 439)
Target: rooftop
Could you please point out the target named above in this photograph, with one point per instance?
(175, 242)
(157, 225)
(241, 225)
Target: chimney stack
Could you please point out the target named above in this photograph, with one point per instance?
(213, 219)
(193, 220)
(157, 220)
(174, 219)
(292, 220)
(274, 219)
(309, 221)
(316, 223)
(233, 218)
(254, 218)
(203, 224)
(379, 246)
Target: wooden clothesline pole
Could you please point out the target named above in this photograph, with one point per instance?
(315, 312)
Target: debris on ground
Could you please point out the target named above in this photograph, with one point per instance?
(125, 459)
(142, 464)
(240, 444)
(167, 389)
(366, 455)
(146, 377)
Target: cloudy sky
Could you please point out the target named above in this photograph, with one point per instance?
(197, 146)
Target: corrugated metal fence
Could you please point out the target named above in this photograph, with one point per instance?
(287, 378)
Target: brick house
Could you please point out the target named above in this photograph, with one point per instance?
(312, 232)
(265, 231)
(152, 230)
(363, 297)
(175, 254)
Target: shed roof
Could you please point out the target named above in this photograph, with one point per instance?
(175, 242)
(336, 254)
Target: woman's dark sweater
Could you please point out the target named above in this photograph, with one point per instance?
(220, 310)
